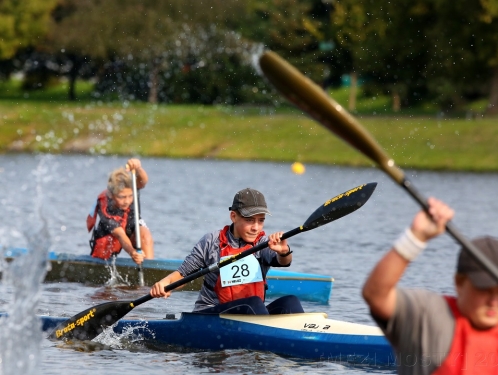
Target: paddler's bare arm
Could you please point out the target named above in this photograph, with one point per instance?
(142, 177)
(157, 289)
(379, 290)
(127, 246)
(280, 247)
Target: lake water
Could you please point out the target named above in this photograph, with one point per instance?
(45, 199)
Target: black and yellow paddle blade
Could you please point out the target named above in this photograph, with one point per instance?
(339, 206)
(90, 323)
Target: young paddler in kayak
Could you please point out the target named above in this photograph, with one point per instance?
(114, 209)
(434, 334)
(240, 287)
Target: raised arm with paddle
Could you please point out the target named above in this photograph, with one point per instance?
(313, 100)
(91, 322)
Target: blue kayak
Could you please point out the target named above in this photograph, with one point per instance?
(309, 335)
(86, 269)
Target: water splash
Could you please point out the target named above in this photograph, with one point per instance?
(130, 336)
(116, 279)
(20, 329)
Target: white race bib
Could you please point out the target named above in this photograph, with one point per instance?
(244, 271)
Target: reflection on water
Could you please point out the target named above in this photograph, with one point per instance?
(120, 292)
(183, 200)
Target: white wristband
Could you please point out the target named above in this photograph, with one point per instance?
(409, 246)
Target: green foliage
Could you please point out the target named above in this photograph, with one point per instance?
(23, 23)
(207, 66)
(200, 51)
(175, 51)
(428, 49)
(289, 28)
(138, 31)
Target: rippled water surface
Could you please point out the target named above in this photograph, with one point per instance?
(44, 201)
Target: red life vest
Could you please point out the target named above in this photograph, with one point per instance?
(104, 247)
(232, 293)
(472, 351)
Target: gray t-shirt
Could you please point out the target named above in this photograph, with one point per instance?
(207, 252)
(420, 331)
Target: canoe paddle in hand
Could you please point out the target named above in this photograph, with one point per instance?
(90, 323)
(313, 100)
(138, 240)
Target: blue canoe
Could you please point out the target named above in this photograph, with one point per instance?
(94, 271)
(310, 335)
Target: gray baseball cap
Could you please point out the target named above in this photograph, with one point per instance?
(477, 274)
(249, 202)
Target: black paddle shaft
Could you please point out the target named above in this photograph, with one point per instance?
(216, 266)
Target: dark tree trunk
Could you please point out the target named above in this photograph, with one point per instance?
(493, 94)
(72, 87)
(396, 101)
(154, 83)
(73, 75)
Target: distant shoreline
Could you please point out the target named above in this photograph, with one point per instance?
(239, 133)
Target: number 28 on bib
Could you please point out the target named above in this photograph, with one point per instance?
(244, 271)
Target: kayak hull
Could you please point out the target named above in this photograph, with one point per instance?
(309, 335)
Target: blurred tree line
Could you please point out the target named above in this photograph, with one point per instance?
(202, 51)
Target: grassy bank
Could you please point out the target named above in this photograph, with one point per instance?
(49, 124)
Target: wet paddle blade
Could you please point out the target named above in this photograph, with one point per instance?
(341, 205)
(90, 323)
